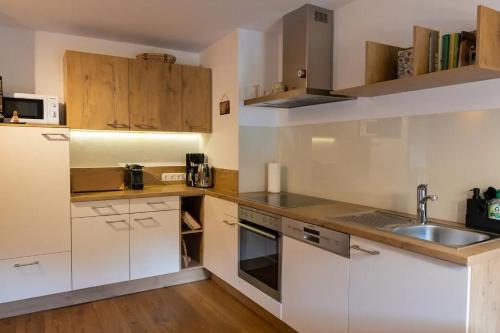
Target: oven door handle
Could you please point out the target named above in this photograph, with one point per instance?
(257, 231)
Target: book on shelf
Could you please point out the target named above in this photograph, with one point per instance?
(190, 221)
(457, 50)
(433, 51)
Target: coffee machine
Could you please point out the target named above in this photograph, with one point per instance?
(193, 160)
(134, 176)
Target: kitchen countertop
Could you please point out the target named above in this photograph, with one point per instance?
(328, 215)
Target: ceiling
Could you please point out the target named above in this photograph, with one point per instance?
(189, 25)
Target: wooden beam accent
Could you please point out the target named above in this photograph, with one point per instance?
(381, 62)
(488, 38)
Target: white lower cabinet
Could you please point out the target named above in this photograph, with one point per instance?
(100, 250)
(393, 291)
(154, 244)
(315, 288)
(220, 253)
(29, 277)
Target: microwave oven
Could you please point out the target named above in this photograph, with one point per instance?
(31, 108)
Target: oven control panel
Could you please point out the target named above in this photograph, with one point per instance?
(327, 239)
(261, 218)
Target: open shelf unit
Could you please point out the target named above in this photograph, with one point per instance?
(192, 240)
(381, 62)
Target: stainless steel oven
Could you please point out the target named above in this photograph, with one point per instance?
(260, 244)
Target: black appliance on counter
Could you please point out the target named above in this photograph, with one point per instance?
(193, 160)
(134, 176)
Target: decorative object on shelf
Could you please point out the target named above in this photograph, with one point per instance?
(224, 105)
(160, 57)
(278, 87)
(405, 63)
(256, 87)
(186, 260)
(189, 221)
(15, 117)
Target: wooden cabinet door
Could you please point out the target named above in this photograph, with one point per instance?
(154, 243)
(155, 96)
(220, 246)
(100, 250)
(35, 191)
(315, 288)
(196, 99)
(96, 91)
(394, 291)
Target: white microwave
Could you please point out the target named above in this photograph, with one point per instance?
(31, 108)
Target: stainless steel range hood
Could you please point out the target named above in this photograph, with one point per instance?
(307, 61)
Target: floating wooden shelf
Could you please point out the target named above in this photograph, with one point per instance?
(381, 65)
(424, 81)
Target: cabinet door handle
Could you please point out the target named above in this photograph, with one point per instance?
(229, 223)
(117, 125)
(28, 264)
(55, 137)
(97, 208)
(370, 252)
(145, 126)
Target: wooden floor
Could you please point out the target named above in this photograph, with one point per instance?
(195, 307)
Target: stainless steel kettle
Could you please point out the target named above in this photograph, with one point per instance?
(205, 176)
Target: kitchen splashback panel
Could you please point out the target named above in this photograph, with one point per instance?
(380, 162)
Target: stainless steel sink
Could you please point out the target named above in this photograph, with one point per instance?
(442, 235)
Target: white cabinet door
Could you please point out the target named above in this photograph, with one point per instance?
(154, 204)
(315, 288)
(35, 191)
(396, 291)
(220, 253)
(35, 276)
(154, 243)
(100, 250)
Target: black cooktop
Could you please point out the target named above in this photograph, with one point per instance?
(284, 200)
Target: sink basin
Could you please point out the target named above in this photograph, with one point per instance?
(442, 235)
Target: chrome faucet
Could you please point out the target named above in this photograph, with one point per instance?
(422, 199)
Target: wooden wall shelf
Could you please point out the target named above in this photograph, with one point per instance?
(449, 77)
(381, 63)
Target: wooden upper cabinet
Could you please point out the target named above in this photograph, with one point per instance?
(196, 99)
(155, 96)
(96, 91)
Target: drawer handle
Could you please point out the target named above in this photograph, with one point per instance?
(117, 221)
(144, 219)
(28, 264)
(97, 208)
(358, 248)
(55, 137)
(228, 223)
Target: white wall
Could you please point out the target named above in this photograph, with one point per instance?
(385, 21)
(32, 61)
(222, 145)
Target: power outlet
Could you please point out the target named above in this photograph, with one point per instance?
(173, 177)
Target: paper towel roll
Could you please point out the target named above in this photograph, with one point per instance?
(273, 177)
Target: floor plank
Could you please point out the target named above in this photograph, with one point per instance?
(195, 307)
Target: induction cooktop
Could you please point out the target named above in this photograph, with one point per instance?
(284, 200)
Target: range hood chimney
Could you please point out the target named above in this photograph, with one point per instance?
(307, 60)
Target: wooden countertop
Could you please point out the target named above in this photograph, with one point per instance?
(328, 215)
(33, 125)
(147, 192)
